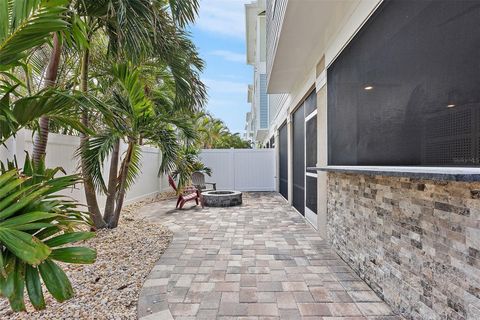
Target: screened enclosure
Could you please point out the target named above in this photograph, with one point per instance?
(298, 119)
(283, 160)
(406, 89)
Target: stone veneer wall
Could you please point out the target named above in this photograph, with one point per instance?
(415, 242)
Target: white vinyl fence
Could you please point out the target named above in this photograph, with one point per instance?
(60, 153)
(241, 169)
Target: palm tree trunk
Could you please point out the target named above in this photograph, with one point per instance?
(112, 183)
(113, 223)
(41, 138)
(90, 193)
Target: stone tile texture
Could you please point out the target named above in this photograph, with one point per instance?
(415, 242)
(259, 260)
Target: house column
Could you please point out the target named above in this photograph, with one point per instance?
(322, 147)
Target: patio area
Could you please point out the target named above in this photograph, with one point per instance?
(256, 261)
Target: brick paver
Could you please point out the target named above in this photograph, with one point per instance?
(257, 261)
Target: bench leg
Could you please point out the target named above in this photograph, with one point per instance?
(182, 203)
(178, 201)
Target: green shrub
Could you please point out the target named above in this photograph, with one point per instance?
(37, 227)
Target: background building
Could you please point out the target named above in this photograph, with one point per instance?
(258, 122)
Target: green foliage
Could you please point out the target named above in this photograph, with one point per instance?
(188, 162)
(25, 24)
(214, 134)
(147, 99)
(37, 227)
(59, 106)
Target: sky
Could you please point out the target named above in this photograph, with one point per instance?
(219, 34)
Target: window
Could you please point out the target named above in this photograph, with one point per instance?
(406, 89)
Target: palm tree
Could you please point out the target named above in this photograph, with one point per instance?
(41, 138)
(211, 130)
(138, 115)
(216, 135)
(135, 31)
(35, 221)
(21, 30)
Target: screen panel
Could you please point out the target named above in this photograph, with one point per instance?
(311, 103)
(311, 197)
(283, 160)
(405, 91)
(311, 142)
(299, 159)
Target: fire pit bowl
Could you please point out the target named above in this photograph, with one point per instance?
(222, 198)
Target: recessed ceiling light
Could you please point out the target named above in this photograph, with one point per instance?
(368, 88)
(450, 106)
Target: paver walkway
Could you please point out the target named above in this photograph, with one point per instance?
(256, 261)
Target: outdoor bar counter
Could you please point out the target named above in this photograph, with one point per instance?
(429, 173)
(405, 230)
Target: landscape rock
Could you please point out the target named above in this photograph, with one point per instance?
(109, 288)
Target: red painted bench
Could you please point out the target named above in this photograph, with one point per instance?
(188, 194)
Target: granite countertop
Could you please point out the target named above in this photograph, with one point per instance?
(430, 173)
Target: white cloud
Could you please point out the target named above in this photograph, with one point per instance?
(225, 86)
(225, 17)
(230, 55)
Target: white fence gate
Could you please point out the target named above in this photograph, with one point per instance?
(241, 169)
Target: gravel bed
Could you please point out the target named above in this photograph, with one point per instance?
(109, 288)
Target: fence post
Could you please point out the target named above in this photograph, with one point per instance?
(232, 152)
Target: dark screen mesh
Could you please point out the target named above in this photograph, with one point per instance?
(311, 142)
(311, 197)
(299, 159)
(311, 103)
(406, 90)
(283, 159)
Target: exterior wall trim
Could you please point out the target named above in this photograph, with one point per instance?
(321, 80)
(359, 17)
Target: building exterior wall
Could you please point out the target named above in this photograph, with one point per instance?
(415, 242)
(274, 15)
(263, 112)
(256, 56)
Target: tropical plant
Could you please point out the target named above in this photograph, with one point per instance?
(145, 33)
(214, 134)
(24, 25)
(137, 116)
(186, 163)
(87, 37)
(37, 227)
(35, 222)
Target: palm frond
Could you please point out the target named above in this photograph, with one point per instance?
(166, 141)
(184, 11)
(94, 154)
(134, 168)
(25, 24)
